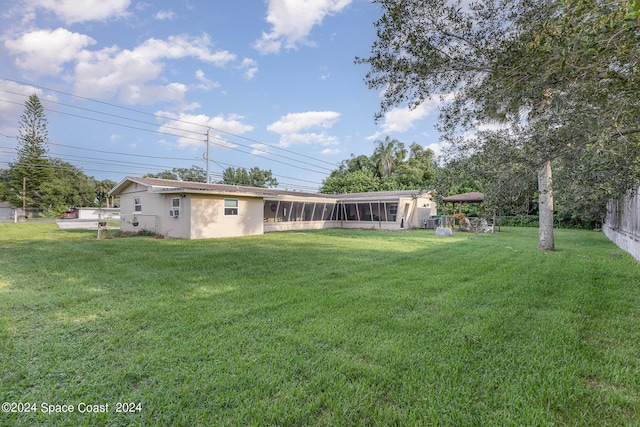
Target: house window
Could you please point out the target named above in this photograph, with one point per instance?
(175, 207)
(137, 205)
(230, 207)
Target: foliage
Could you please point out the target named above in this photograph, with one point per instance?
(332, 327)
(102, 190)
(192, 174)
(52, 185)
(358, 181)
(389, 168)
(561, 76)
(560, 221)
(32, 167)
(254, 177)
(68, 187)
(387, 155)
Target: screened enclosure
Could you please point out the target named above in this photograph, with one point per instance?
(295, 211)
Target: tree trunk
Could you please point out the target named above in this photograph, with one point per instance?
(545, 207)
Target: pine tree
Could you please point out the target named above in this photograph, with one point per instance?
(32, 163)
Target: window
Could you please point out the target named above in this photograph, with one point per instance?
(175, 207)
(137, 205)
(230, 207)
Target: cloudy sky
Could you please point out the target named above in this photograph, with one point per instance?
(131, 87)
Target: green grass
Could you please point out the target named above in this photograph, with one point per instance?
(332, 327)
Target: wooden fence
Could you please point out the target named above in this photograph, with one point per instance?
(622, 223)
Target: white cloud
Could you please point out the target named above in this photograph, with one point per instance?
(330, 151)
(260, 149)
(45, 52)
(129, 73)
(15, 94)
(250, 68)
(192, 128)
(404, 118)
(165, 15)
(297, 128)
(295, 122)
(135, 76)
(292, 21)
(73, 11)
(182, 46)
(436, 148)
(205, 83)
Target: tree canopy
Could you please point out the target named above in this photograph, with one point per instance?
(192, 174)
(550, 84)
(254, 177)
(50, 185)
(390, 167)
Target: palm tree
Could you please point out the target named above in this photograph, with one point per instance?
(388, 154)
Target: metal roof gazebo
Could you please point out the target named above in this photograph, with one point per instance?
(472, 197)
(461, 199)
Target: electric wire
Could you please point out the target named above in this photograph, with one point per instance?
(92, 160)
(180, 136)
(161, 126)
(215, 175)
(169, 118)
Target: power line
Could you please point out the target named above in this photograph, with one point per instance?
(156, 167)
(188, 137)
(218, 175)
(173, 119)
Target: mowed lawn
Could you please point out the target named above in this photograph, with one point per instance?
(333, 327)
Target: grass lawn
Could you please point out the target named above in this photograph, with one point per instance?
(331, 327)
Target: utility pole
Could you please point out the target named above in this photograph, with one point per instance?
(24, 196)
(208, 130)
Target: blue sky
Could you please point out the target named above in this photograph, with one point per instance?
(131, 87)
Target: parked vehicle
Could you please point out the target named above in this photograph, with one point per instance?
(69, 214)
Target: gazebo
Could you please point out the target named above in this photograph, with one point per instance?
(473, 197)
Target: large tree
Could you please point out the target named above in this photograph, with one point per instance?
(387, 169)
(192, 174)
(254, 177)
(388, 154)
(561, 74)
(32, 168)
(68, 187)
(52, 185)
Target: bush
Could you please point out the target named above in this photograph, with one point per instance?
(559, 221)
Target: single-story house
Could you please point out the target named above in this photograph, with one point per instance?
(194, 210)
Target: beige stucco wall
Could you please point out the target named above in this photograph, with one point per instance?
(299, 225)
(151, 205)
(208, 219)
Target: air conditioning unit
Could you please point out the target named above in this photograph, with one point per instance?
(174, 213)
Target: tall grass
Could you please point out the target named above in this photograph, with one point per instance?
(331, 327)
